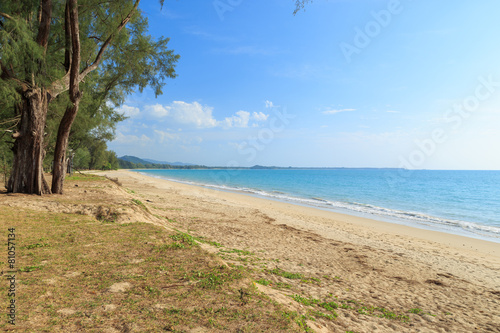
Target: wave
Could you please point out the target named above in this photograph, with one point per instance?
(360, 208)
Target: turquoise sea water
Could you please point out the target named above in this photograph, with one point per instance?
(458, 202)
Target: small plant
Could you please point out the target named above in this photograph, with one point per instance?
(29, 268)
(217, 277)
(287, 275)
(239, 252)
(140, 204)
(206, 241)
(264, 282)
(305, 301)
(152, 291)
(330, 306)
(185, 239)
(319, 314)
(37, 245)
(283, 285)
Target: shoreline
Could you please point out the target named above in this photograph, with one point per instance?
(450, 281)
(449, 230)
(327, 222)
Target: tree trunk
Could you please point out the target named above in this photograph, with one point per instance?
(74, 96)
(27, 171)
(61, 147)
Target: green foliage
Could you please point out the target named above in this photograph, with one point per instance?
(263, 282)
(184, 238)
(82, 158)
(133, 61)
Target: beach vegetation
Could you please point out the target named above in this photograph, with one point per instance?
(140, 204)
(288, 275)
(84, 177)
(319, 314)
(65, 66)
(160, 289)
(304, 300)
(39, 244)
(283, 285)
(239, 252)
(264, 282)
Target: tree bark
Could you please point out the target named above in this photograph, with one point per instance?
(61, 147)
(74, 95)
(27, 172)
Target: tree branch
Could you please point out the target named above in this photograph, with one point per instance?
(75, 50)
(8, 75)
(44, 28)
(62, 85)
(67, 38)
(98, 58)
(6, 16)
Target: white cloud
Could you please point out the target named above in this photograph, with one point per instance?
(200, 116)
(236, 145)
(158, 110)
(269, 104)
(128, 139)
(392, 111)
(193, 114)
(338, 111)
(166, 136)
(241, 119)
(129, 111)
(260, 116)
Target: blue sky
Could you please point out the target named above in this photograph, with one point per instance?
(357, 83)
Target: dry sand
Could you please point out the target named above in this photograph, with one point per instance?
(454, 278)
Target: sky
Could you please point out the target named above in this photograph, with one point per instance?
(359, 83)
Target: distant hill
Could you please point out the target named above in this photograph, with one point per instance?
(169, 163)
(133, 162)
(133, 159)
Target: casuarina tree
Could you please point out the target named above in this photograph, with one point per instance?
(50, 51)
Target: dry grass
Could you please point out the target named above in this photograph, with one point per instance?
(68, 266)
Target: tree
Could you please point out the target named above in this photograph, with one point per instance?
(51, 51)
(81, 159)
(299, 5)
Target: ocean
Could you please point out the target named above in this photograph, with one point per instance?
(466, 203)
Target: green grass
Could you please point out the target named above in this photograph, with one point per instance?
(285, 274)
(140, 204)
(82, 259)
(84, 177)
(263, 282)
(239, 252)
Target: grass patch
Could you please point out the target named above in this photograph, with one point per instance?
(168, 289)
(140, 204)
(239, 252)
(84, 177)
(285, 274)
(263, 282)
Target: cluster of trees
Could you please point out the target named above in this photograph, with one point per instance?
(123, 164)
(64, 67)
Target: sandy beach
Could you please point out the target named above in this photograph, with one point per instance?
(379, 277)
(452, 281)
